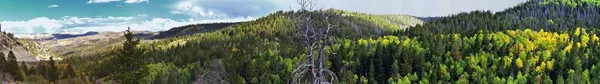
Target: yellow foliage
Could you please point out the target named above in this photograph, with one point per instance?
(519, 63)
(520, 47)
(234, 49)
(577, 31)
(511, 33)
(543, 64)
(550, 65)
(390, 39)
(595, 38)
(406, 41)
(584, 40)
(385, 42)
(539, 69)
(363, 42)
(507, 61)
(568, 48)
(547, 55)
(529, 45)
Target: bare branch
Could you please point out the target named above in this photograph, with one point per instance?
(316, 39)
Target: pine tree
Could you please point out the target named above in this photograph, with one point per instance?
(11, 63)
(13, 67)
(33, 71)
(52, 70)
(24, 66)
(130, 59)
(69, 73)
(2, 63)
(43, 70)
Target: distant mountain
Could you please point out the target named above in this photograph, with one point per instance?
(191, 29)
(64, 36)
(87, 43)
(54, 36)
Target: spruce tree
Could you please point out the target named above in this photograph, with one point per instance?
(69, 73)
(13, 67)
(33, 71)
(52, 70)
(24, 66)
(43, 71)
(11, 63)
(3, 64)
(130, 60)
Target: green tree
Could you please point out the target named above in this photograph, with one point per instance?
(24, 66)
(3, 68)
(560, 80)
(13, 67)
(69, 73)
(52, 70)
(130, 60)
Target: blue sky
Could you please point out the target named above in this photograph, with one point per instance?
(79, 16)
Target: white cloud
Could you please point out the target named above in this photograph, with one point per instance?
(53, 6)
(108, 1)
(46, 25)
(213, 9)
(135, 1)
(85, 24)
(41, 24)
(142, 15)
(188, 7)
(156, 24)
(101, 1)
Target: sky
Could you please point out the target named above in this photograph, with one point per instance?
(80, 16)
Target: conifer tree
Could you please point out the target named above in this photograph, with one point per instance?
(24, 66)
(11, 63)
(2, 63)
(13, 67)
(130, 60)
(69, 73)
(52, 70)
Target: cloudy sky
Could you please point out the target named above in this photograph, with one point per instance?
(79, 16)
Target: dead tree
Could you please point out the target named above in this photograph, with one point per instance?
(315, 37)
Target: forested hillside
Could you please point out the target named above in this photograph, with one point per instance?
(551, 15)
(191, 29)
(196, 55)
(539, 41)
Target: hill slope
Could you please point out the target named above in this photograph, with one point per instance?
(191, 29)
(87, 44)
(8, 43)
(274, 32)
(549, 15)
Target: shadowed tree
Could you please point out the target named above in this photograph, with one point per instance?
(69, 73)
(13, 67)
(24, 66)
(130, 60)
(2, 63)
(52, 70)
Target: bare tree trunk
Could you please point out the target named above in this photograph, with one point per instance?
(316, 40)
